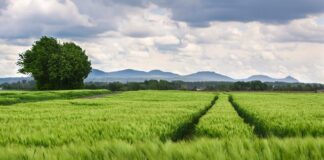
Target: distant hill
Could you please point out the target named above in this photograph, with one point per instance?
(159, 73)
(127, 73)
(289, 79)
(265, 78)
(97, 73)
(206, 76)
(14, 79)
(131, 75)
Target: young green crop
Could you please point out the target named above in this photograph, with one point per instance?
(13, 97)
(206, 148)
(222, 121)
(141, 125)
(129, 116)
(283, 114)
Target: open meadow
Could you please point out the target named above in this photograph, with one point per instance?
(98, 124)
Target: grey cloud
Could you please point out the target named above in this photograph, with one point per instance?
(62, 15)
(105, 14)
(3, 4)
(126, 2)
(199, 13)
(300, 36)
(297, 37)
(304, 30)
(82, 18)
(138, 34)
(168, 48)
(271, 11)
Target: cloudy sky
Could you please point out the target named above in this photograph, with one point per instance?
(233, 37)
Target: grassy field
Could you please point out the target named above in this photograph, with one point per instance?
(220, 149)
(283, 114)
(13, 97)
(131, 116)
(223, 121)
(162, 125)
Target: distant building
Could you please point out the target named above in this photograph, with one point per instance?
(200, 89)
(0, 88)
(320, 91)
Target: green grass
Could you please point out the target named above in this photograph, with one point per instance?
(222, 121)
(144, 125)
(129, 116)
(220, 149)
(283, 114)
(13, 97)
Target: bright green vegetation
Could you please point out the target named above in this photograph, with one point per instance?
(162, 125)
(220, 149)
(129, 116)
(283, 114)
(13, 97)
(222, 121)
(54, 65)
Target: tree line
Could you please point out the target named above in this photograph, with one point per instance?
(206, 86)
(180, 85)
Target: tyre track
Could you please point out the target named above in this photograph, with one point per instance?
(185, 131)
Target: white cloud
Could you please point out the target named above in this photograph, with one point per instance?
(25, 18)
(8, 58)
(302, 30)
(120, 37)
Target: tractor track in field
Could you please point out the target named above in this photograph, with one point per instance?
(258, 128)
(186, 131)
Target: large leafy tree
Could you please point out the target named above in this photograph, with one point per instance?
(54, 65)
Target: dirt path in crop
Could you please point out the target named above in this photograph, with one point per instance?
(186, 131)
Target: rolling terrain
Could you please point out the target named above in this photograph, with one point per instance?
(130, 75)
(164, 124)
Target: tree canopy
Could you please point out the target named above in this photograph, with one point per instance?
(54, 65)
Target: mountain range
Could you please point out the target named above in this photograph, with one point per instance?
(130, 75)
(14, 79)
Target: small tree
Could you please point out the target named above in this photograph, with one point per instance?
(54, 65)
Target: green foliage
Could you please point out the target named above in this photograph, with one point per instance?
(179, 85)
(134, 86)
(222, 121)
(20, 85)
(283, 114)
(115, 86)
(249, 86)
(55, 66)
(206, 86)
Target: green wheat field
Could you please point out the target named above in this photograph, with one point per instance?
(99, 124)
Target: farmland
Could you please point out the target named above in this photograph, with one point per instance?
(223, 121)
(283, 115)
(131, 116)
(13, 97)
(163, 124)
